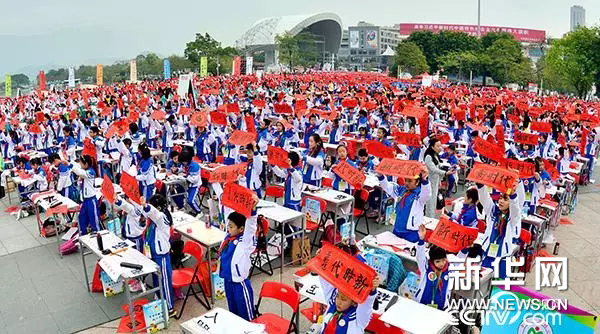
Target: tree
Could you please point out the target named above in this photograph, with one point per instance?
(410, 58)
(505, 55)
(462, 63)
(206, 46)
(435, 46)
(296, 50)
(574, 60)
(20, 80)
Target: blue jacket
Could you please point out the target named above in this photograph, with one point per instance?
(235, 253)
(433, 286)
(352, 321)
(409, 204)
(467, 216)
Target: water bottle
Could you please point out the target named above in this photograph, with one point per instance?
(99, 241)
(207, 221)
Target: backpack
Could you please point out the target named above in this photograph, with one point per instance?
(262, 229)
(69, 246)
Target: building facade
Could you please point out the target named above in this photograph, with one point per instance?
(363, 46)
(577, 17)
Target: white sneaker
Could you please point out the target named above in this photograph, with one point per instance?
(592, 181)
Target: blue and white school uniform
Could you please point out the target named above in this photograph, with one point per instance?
(203, 143)
(293, 186)
(127, 158)
(194, 182)
(335, 135)
(434, 283)
(89, 214)
(340, 184)
(231, 154)
(65, 184)
(251, 179)
(146, 178)
(313, 168)
(133, 229)
(409, 207)
(168, 138)
(157, 247)
(501, 229)
(352, 321)
(234, 255)
(41, 182)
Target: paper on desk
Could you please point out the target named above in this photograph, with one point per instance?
(220, 321)
(111, 267)
(388, 238)
(414, 317)
(265, 204)
(311, 288)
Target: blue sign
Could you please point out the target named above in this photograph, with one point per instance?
(167, 68)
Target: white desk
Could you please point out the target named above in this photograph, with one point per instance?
(220, 321)
(281, 215)
(45, 201)
(414, 317)
(182, 142)
(111, 265)
(196, 230)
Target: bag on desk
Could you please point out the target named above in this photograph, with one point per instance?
(219, 286)
(110, 287)
(301, 252)
(381, 264)
(153, 315)
(114, 226)
(409, 287)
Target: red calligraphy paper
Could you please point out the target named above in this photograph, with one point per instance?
(350, 276)
(227, 173)
(489, 151)
(498, 178)
(199, 119)
(108, 190)
(277, 156)
(408, 139)
(239, 137)
(378, 149)
(130, 187)
(89, 148)
(232, 107)
(526, 169)
(217, 117)
(350, 174)
(452, 236)
(399, 168)
(526, 138)
(250, 125)
(238, 198)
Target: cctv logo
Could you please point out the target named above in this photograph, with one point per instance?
(551, 272)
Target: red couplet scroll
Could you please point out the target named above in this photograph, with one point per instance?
(408, 139)
(130, 187)
(239, 137)
(452, 236)
(350, 276)
(227, 173)
(492, 152)
(498, 178)
(350, 174)
(399, 168)
(378, 149)
(526, 138)
(277, 156)
(238, 198)
(108, 190)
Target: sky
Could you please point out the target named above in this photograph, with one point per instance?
(42, 34)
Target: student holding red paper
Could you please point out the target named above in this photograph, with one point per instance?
(343, 315)
(435, 282)
(234, 257)
(410, 202)
(503, 224)
(251, 179)
(338, 183)
(89, 213)
(293, 182)
(313, 159)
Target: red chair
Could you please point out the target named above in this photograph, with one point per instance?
(261, 247)
(190, 276)
(362, 212)
(286, 294)
(327, 182)
(315, 226)
(220, 159)
(377, 326)
(275, 192)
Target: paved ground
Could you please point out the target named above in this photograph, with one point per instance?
(43, 293)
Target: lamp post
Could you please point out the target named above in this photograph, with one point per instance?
(478, 18)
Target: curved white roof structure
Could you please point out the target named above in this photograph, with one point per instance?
(263, 32)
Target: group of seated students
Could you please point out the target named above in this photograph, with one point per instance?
(148, 223)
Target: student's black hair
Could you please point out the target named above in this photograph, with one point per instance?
(145, 151)
(385, 132)
(295, 158)
(53, 157)
(561, 151)
(472, 194)
(173, 154)
(161, 204)
(452, 147)
(475, 251)
(127, 141)
(186, 157)
(19, 160)
(436, 253)
(238, 219)
(474, 134)
(363, 152)
(36, 161)
(133, 128)
(68, 130)
(317, 138)
(87, 160)
(250, 147)
(95, 129)
(267, 122)
(312, 116)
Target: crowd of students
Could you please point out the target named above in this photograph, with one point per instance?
(342, 110)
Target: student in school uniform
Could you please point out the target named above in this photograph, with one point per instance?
(365, 163)
(336, 132)
(234, 256)
(251, 179)
(468, 213)
(89, 213)
(157, 245)
(410, 202)
(312, 127)
(127, 157)
(338, 183)
(194, 181)
(65, 185)
(343, 315)
(563, 161)
(293, 182)
(503, 223)
(134, 224)
(204, 140)
(174, 167)
(434, 287)
(450, 156)
(70, 145)
(146, 175)
(39, 175)
(313, 161)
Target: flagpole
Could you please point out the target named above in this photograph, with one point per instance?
(478, 18)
